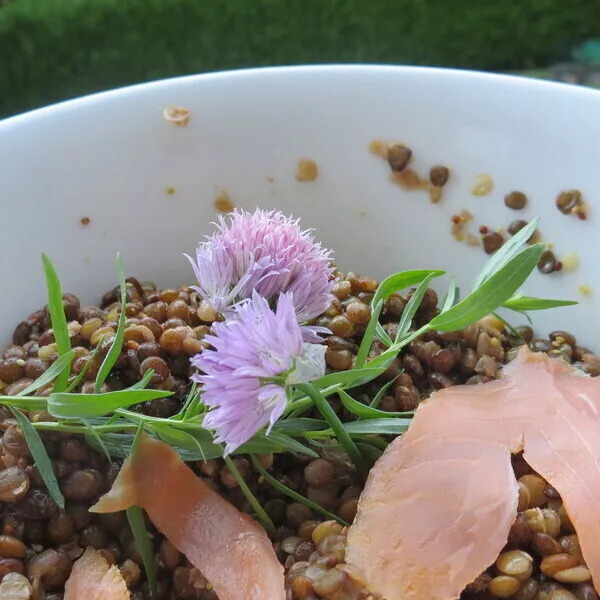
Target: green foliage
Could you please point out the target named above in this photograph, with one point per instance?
(57, 49)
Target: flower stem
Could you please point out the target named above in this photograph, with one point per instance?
(336, 425)
(301, 404)
(254, 503)
(292, 494)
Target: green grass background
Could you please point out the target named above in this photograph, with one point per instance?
(56, 49)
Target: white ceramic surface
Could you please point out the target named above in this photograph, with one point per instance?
(111, 157)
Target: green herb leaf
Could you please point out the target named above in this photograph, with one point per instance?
(40, 457)
(336, 425)
(115, 349)
(451, 296)
(381, 335)
(61, 364)
(381, 393)
(84, 406)
(505, 253)
(299, 426)
(143, 382)
(143, 544)
(254, 503)
(92, 433)
(287, 443)
(400, 281)
(366, 412)
(367, 340)
(291, 493)
(371, 453)
(378, 426)
(412, 306)
(491, 294)
(347, 378)
(59, 320)
(521, 303)
(180, 439)
(391, 285)
(25, 403)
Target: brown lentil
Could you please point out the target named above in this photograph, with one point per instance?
(503, 586)
(545, 545)
(438, 175)
(14, 484)
(398, 157)
(568, 201)
(515, 200)
(577, 574)
(547, 263)
(11, 547)
(492, 242)
(515, 563)
(319, 473)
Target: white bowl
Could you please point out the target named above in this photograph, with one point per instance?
(112, 156)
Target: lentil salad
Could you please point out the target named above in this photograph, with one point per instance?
(162, 330)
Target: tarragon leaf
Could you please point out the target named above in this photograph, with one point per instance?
(491, 294)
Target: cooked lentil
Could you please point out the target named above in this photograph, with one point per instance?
(515, 200)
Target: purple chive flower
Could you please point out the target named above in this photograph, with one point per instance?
(254, 356)
(267, 252)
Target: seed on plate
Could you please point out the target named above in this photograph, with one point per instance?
(492, 242)
(547, 263)
(398, 157)
(306, 170)
(223, 202)
(483, 185)
(515, 200)
(516, 226)
(435, 194)
(177, 115)
(568, 200)
(438, 175)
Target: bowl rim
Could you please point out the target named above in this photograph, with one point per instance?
(465, 76)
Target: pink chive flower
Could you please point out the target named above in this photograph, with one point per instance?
(267, 252)
(255, 354)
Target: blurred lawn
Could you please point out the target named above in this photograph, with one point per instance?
(55, 49)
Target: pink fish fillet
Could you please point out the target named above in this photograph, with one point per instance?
(228, 547)
(93, 579)
(438, 505)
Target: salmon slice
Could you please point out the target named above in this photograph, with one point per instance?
(230, 549)
(93, 579)
(438, 505)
